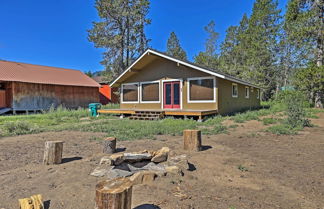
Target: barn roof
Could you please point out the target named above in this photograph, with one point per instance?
(29, 73)
(141, 61)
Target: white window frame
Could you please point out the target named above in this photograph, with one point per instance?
(247, 96)
(141, 96)
(122, 93)
(162, 92)
(235, 96)
(201, 101)
(258, 93)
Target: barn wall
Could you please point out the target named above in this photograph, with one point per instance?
(30, 96)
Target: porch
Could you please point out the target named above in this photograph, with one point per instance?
(151, 114)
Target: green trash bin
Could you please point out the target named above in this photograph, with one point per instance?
(93, 108)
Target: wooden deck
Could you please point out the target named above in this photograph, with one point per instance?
(166, 112)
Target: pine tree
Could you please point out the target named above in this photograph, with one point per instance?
(304, 23)
(262, 35)
(120, 31)
(174, 48)
(209, 57)
(233, 56)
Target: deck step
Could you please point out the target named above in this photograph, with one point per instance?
(147, 115)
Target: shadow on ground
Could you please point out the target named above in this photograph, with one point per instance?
(147, 206)
(70, 159)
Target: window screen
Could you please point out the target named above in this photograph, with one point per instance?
(150, 92)
(130, 92)
(201, 89)
(234, 90)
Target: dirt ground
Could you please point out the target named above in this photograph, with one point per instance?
(283, 171)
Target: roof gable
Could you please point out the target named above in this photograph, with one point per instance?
(29, 73)
(184, 63)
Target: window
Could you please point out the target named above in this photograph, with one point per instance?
(130, 93)
(201, 90)
(234, 90)
(258, 93)
(247, 92)
(150, 91)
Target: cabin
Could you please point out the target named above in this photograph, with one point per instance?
(157, 83)
(28, 87)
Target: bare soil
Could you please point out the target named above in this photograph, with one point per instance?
(282, 171)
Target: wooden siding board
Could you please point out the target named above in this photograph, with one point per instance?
(228, 104)
(30, 96)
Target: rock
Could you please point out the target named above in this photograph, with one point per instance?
(181, 161)
(161, 155)
(174, 170)
(137, 157)
(106, 160)
(99, 172)
(115, 173)
(116, 159)
(143, 177)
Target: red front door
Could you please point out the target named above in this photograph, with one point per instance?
(171, 95)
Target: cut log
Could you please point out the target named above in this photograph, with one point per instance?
(114, 194)
(53, 152)
(34, 202)
(192, 140)
(109, 145)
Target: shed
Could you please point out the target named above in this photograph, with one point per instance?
(28, 87)
(107, 94)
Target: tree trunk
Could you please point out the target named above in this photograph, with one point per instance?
(34, 202)
(109, 145)
(192, 140)
(53, 152)
(114, 194)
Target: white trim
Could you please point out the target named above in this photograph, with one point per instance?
(235, 96)
(201, 101)
(122, 94)
(162, 92)
(149, 51)
(248, 92)
(141, 96)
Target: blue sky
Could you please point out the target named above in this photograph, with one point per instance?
(54, 33)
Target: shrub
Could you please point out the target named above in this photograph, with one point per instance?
(295, 103)
(20, 128)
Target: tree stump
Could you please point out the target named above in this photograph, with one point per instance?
(114, 194)
(53, 152)
(192, 140)
(34, 202)
(109, 145)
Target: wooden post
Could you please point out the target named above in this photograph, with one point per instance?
(34, 202)
(114, 194)
(192, 140)
(53, 152)
(109, 145)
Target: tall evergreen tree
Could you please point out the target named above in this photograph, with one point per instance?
(174, 48)
(209, 57)
(120, 31)
(233, 58)
(262, 44)
(304, 23)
